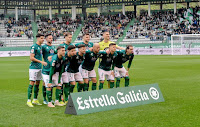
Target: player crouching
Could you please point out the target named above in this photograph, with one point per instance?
(73, 69)
(120, 71)
(107, 61)
(54, 77)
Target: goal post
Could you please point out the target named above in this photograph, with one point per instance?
(185, 44)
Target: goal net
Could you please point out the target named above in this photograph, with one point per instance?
(185, 44)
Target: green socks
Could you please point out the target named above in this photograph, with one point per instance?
(117, 82)
(49, 95)
(58, 93)
(100, 86)
(112, 84)
(36, 90)
(85, 87)
(44, 92)
(66, 90)
(71, 88)
(94, 86)
(126, 81)
(30, 87)
(79, 87)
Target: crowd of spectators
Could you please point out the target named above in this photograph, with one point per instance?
(115, 24)
(58, 27)
(18, 28)
(160, 25)
(163, 24)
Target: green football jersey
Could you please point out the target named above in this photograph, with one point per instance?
(47, 51)
(37, 51)
(65, 45)
(89, 61)
(74, 63)
(57, 65)
(107, 60)
(67, 60)
(122, 58)
(89, 45)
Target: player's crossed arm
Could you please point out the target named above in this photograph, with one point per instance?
(32, 58)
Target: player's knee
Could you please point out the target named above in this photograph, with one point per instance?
(86, 81)
(72, 83)
(101, 81)
(58, 87)
(37, 82)
(32, 83)
(127, 78)
(49, 89)
(94, 80)
(81, 82)
(112, 81)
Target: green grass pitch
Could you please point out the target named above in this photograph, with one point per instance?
(178, 78)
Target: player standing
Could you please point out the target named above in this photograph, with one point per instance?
(105, 43)
(35, 69)
(73, 69)
(87, 67)
(47, 50)
(105, 70)
(68, 40)
(86, 41)
(120, 71)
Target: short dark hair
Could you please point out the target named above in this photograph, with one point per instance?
(60, 47)
(70, 47)
(39, 35)
(128, 46)
(81, 45)
(111, 44)
(67, 34)
(47, 35)
(86, 34)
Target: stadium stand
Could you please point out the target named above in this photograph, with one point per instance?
(159, 27)
(144, 29)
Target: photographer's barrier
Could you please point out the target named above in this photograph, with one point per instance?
(14, 53)
(137, 51)
(167, 51)
(109, 99)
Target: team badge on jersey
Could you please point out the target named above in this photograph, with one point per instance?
(53, 63)
(32, 50)
(51, 51)
(58, 65)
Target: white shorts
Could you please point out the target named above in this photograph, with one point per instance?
(105, 74)
(74, 77)
(64, 77)
(120, 72)
(54, 80)
(35, 74)
(87, 74)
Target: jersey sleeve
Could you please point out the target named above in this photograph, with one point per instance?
(61, 71)
(130, 61)
(33, 50)
(77, 45)
(87, 52)
(52, 68)
(91, 45)
(114, 60)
